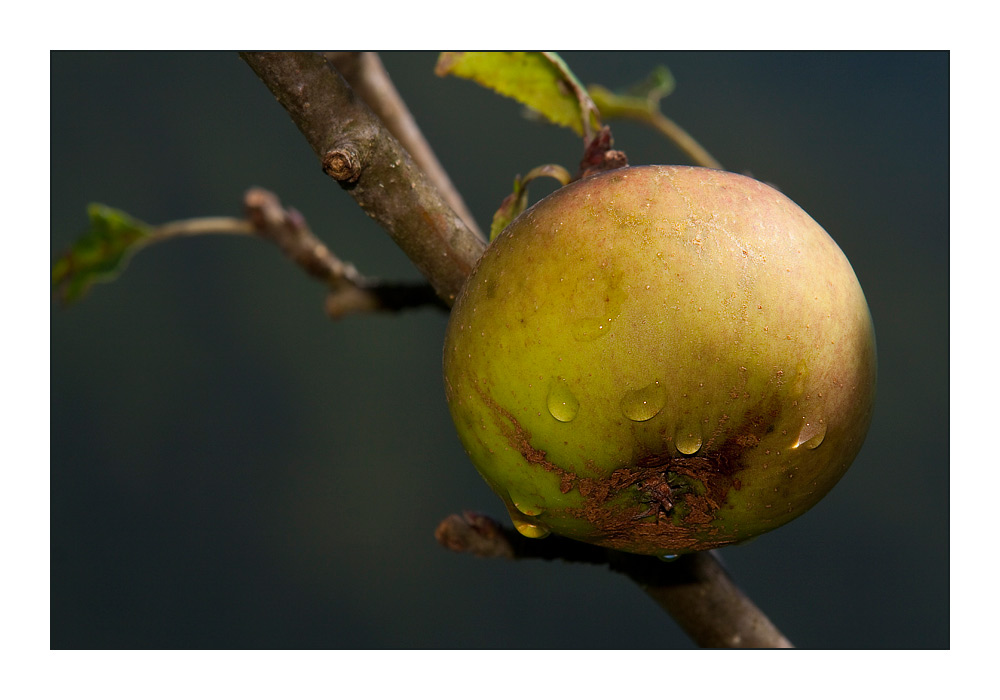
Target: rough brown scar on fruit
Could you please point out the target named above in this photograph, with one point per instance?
(714, 471)
(517, 437)
(684, 527)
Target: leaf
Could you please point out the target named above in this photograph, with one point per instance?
(642, 98)
(517, 201)
(642, 103)
(101, 253)
(656, 85)
(512, 205)
(539, 79)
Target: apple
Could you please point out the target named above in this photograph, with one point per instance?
(659, 360)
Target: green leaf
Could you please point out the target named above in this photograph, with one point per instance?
(100, 254)
(642, 99)
(517, 201)
(512, 205)
(655, 87)
(642, 103)
(539, 79)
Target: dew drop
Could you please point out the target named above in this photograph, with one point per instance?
(597, 303)
(561, 402)
(524, 504)
(642, 404)
(668, 557)
(811, 435)
(688, 442)
(531, 530)
(525, 526)
(590, 328)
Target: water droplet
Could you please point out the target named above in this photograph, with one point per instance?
(562, 404)
(596, 303)
(688, 442)
(642, 404)
(525, 526)
(590, 328)
(531, 530)
(811, 435)
(524, 504)
(668, 557)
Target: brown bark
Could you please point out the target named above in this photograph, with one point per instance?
(355, 148)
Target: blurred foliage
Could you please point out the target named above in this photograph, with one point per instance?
(100, 254)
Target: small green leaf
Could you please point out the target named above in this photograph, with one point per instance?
(642, 103)
(101, 253)
(517, 201)
(656, 86)
(640, 99)
(512, 205)
(539, 79)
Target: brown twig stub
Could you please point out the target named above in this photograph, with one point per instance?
(364, 72)
(476, 534)
(342, 164)
(695, 588)
(287, 228)
(390, 188)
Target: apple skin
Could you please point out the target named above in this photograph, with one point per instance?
(659, 360)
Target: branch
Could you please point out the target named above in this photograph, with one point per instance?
(118, 237)
(356, 149)
(364, 72)
(350, 291)
(695, 588)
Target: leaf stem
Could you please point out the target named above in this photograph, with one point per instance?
(201, 226)
(350, 291)
(648, 111)
(687, 143)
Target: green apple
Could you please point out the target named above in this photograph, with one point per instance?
(660, 360)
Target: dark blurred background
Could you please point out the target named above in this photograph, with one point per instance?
(232, 469)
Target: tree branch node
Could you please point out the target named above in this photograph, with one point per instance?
(343, 164)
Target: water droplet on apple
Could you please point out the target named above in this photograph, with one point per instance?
(590, 328)
(596, 303)
(561, 402)
(642, 404)
(525, 526)
(524, 504)
(688, 441)
(531, 530)
(811, 435)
